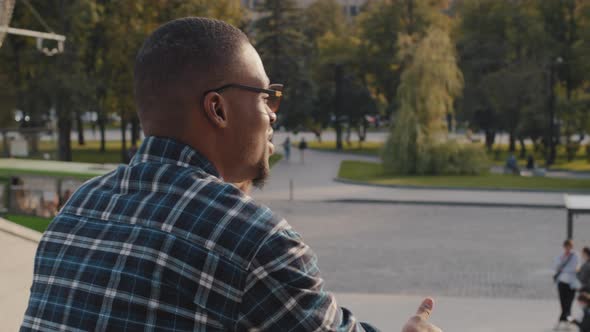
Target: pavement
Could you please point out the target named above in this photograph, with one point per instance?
(16, 269)
(385, 311)
(454, 314)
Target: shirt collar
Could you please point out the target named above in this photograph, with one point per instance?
(169, 151)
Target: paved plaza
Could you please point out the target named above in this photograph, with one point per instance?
(489, 268)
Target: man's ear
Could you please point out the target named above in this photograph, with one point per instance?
(215, 109)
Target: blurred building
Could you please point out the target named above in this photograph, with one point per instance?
(351, 8)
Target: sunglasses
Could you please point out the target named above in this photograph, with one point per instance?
(274, 92)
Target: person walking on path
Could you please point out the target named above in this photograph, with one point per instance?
(287, 148)
(168, 242)
(584, 271)
(302, 147)
(565, 266)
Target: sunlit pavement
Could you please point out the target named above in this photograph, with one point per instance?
(383, 310)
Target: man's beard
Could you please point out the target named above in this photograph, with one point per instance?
(262, 173)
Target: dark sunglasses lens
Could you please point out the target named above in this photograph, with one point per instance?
(274, 102)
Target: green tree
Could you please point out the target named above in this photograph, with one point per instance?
(57, 82)
(429, 84)
(483, 48)
(282, 47)
(380, 25)
(337, 56)
(565, 58)
(323, 22)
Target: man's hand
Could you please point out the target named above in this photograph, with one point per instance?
(419, 323)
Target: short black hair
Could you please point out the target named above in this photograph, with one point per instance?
(182, 54)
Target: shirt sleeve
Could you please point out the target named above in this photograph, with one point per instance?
(284, 291)
(572, 265)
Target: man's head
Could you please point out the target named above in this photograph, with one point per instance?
(178, 73)
(568, 245)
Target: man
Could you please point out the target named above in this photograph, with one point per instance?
(166, 242)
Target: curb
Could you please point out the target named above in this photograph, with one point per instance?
(351, 154)
(448, 203)
(20, 231)
(539, 191)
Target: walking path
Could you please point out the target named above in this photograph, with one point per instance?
(313, 180)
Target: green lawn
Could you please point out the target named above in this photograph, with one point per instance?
(35, 223)
(6, 173)
(373, 173)
(275, 158)
(89, 152)
(580, 162)
(499, 154)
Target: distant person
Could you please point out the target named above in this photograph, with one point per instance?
(287, 148)
(512, 165)
(530, 162)
(584, 322)
(565, 267)
(584, 271)
(302, 147)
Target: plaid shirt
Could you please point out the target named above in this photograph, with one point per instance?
(164, 244)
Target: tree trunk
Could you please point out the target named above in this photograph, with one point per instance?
(134, 130)
(512, 140)
(490, 138)
(550, 140)
(124, 158)
(34, 139)
(318, 135)
(522, 147)
(80, 128)
(348, 132)
(338, 128)
(64, 142)
(362, 130)
(102, 128)
(338, 105)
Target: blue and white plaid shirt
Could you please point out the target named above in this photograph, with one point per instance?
(163, 244)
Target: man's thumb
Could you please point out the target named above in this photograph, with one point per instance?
(425, 308)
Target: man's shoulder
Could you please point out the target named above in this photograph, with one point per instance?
(186, 202)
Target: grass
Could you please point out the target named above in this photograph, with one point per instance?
(89, 152)
(6, 173)
(35, 223)
(498, 155)
(373, 173)
(275, 158)
(579, 163)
